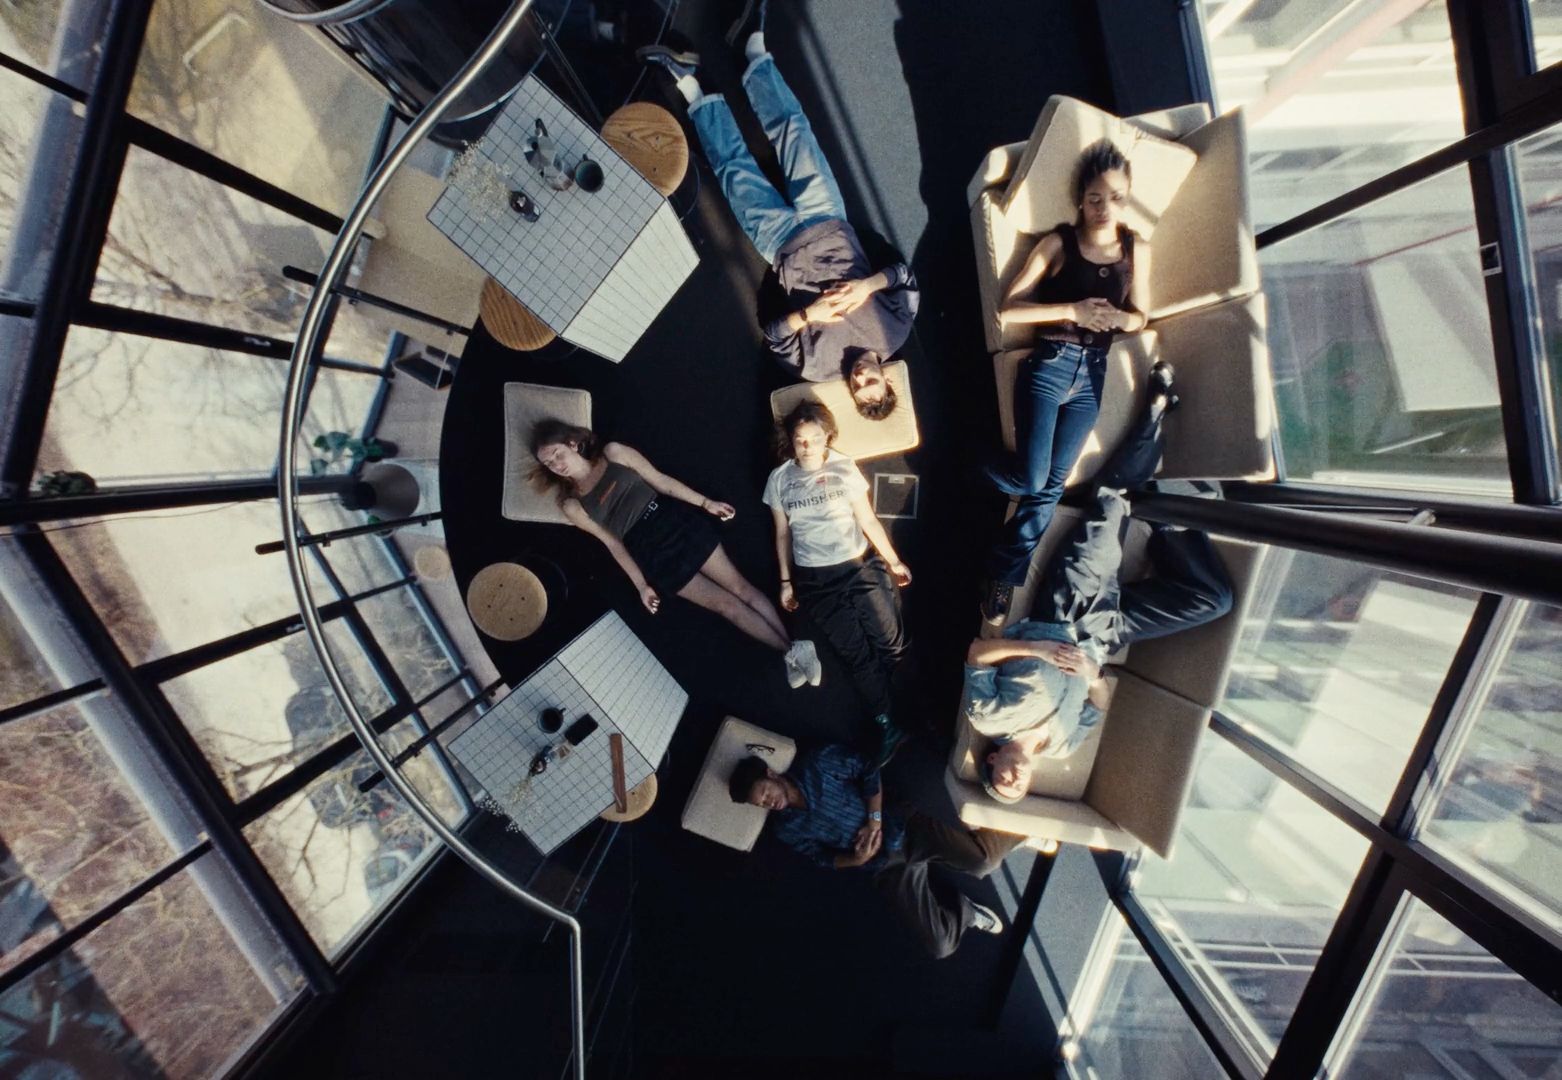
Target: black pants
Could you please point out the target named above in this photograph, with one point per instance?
(936, 912)
(856, 605)
(1190, 585)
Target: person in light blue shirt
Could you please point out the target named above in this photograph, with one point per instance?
(1037, 691)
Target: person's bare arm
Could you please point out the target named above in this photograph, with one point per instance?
(1038, 265)
(664, 484)
(784, 558)
(577, 516)
(990, 652)
(874, 530)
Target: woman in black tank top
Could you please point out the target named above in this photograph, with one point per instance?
(1082, 284)
(647, 521)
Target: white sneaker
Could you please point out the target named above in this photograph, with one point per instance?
(795, 675)
(984, 918)
(808, 660)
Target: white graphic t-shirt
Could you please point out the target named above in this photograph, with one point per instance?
(818, 507)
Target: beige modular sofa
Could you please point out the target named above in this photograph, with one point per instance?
(1127, 784)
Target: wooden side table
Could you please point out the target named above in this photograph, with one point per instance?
(510, 323)
(651, 139)
(640, 799)
(507, 601)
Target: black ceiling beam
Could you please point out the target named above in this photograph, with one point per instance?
(140, 499)
(1479, 515)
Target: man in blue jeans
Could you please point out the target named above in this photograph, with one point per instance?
(846, 319)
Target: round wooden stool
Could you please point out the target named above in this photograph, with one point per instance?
(651, 139)
(640, 798)
(507, 601)
(432, 562)
(509, 322)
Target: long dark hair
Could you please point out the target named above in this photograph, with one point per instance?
(1098, 159)
(550, 432)
(805, 412)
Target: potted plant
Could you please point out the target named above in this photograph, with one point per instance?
(336, 445)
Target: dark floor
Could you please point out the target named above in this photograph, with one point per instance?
(759, 964)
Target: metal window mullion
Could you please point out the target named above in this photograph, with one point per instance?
(1452, 511)
(171, 745)
(137, 499)
(49, 702)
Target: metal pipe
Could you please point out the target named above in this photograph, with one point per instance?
(1497, 564)
(292, 414)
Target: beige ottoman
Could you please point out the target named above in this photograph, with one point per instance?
(710, 811)
(859, 438)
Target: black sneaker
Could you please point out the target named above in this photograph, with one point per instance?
(984, 918)
(677, 63)
(996, 607)
(1162, 378)
(890, 740)
(751, 21)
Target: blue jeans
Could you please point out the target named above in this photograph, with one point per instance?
(1056, 400)
(767, 216)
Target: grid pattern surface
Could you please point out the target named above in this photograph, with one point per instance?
(637, 288)
(605, 673)
(552, 265)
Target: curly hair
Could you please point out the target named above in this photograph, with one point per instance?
(551, 432)
(1098, 159)
(745, 775)
(878, 410)
(805, 412)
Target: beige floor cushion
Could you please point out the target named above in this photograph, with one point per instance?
(1041, 194)
(710, 811)
(859, 438)
(524, 405)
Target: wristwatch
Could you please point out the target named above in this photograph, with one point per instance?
(876, 815)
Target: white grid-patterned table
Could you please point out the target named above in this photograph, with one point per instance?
(596, 267)
(605, 673)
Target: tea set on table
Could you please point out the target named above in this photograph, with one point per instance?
(543, 155)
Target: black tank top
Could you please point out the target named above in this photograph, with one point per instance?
(618, 500)
(1080, 279)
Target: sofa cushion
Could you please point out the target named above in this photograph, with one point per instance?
(1039, 817)
(1194, 263)
(859, 437)
(1040, 196)
(524, 405)
(710, 811)
(999, 255)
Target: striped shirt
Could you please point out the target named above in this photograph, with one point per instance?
(836, 782)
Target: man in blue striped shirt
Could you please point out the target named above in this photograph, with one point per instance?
(830, 807)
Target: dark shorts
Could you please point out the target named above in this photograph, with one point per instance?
(670, 542)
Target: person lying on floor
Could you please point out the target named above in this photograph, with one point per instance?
(1038, 690)
(824, 525)
(829, 806)
(845, 318)
(659, 531)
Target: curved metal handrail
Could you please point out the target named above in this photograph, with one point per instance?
(287, 492)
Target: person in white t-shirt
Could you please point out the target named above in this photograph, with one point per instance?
(824, 527)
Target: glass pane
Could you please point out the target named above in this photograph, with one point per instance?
(1252, 889)
(1337, 92)
(1139, 1028)
(161, 990)
(1502, 805)
(339, 853)
(59, 37)
(73, 832)
(1339, 663)
(260, 92)
(39, 652)
(182, 245)
(1545, 20)
(286, 714)
(402, 631)
(138, 410)
(1539, 169)
(1447, 1008)
(168, 582)
(1381, 344)
(38, 138)
(338, 401)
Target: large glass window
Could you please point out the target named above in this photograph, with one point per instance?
(1337, 92)
(1252, 890)
(61, 37)
(1339, 663)
(1501, 807)
(1138, 1028)
(1380, 340)
(403, 631)
(160, 990)
(1443, 1007)
(38, 137)
(1538, 162)
(254, 89)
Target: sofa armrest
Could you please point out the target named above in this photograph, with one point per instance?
(1224, 428)
(1176, 123)
(995, 169)
(1144, 767)
(1037, 817)
(1000, 252)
